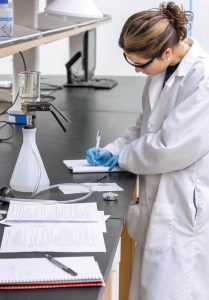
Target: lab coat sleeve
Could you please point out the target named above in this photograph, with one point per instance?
(182, 140)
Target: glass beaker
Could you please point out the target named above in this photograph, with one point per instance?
(29, 86)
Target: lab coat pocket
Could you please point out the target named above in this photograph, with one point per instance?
(133, 219)
(159, 235)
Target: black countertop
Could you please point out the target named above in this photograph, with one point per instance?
(112, 111)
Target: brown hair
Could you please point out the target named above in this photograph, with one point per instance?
(150, 32)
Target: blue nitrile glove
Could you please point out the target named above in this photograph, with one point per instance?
(98, 158)
(90, 156)
(112, 162)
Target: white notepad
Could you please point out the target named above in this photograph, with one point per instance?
(26, 273)
(82, 166)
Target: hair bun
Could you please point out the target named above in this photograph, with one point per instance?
(176, 16)
(169, 10)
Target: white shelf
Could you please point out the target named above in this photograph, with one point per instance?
(48, 25)
(26, 38)
(21, 34)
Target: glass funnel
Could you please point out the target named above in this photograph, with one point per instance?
(29, 86)
(29, 92)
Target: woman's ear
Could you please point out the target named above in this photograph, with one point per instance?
(167, 54)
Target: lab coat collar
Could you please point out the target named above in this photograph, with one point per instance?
(190, 57)
(186, 63)
(184, 67)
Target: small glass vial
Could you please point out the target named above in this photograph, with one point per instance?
(6, 19)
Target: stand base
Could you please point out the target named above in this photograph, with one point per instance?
(96, 83)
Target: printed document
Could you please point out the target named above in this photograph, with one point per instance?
(77, 227)
(61, 238)
(33, 212)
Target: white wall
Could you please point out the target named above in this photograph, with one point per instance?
(110, 59)
(201, 22)
(109, 56)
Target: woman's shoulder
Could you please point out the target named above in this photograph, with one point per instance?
(197, 60)
(195, 66)
(198, 72)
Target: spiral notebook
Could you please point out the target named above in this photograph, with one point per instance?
(35, 273)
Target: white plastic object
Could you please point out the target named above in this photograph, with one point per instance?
(78, 8)
(5, 84)
(29, 172)
(6, 19)
(110, 196)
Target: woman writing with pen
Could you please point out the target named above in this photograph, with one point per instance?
(169, 148)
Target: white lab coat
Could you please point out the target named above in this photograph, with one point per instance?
(169, 148)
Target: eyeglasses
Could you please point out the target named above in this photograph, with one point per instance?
(141, 66)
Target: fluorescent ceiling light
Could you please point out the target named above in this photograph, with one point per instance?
(74, 8)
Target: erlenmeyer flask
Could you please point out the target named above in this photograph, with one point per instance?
(29, 172)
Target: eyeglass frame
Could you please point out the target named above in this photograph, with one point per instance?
(141, 66)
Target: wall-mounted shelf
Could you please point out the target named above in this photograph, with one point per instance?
(26, 38)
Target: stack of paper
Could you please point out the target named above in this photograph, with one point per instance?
(53, 227)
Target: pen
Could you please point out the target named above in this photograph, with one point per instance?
(101, 178)
(98, 138)
(60, 265)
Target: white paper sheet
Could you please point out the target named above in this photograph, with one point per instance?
(82, 166)
(77, 212)
(95, 187)
(67, 238)
(101, 225)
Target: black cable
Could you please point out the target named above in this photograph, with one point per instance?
(6, 109)
(50, 87)
(24, 63)
(50, 97)
(11, 135)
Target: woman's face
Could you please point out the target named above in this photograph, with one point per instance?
(154, 67)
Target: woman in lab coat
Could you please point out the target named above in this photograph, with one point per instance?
(169, 148)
